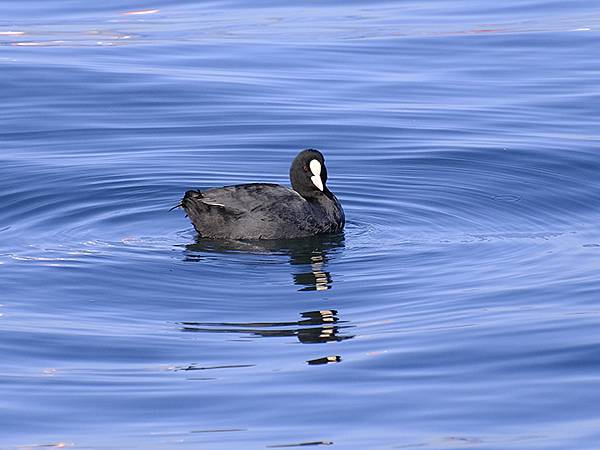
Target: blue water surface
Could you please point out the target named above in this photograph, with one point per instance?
(460, 308)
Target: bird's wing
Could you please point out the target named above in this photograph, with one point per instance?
(251, 197)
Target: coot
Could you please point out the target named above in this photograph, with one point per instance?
(269, 211)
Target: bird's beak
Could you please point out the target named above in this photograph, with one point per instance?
(315, 168)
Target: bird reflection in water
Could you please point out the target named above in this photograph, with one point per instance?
(313, 328)
(325, 360)
(317, 279)
(308, 256)
(308, 260)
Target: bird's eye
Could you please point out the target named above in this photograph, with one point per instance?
(305, 167)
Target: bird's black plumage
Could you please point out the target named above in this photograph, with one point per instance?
(269, 211)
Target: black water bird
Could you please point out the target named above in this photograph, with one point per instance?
(269, 211)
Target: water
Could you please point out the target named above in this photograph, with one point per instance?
(458, 310)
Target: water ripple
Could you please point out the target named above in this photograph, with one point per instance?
(461, 299)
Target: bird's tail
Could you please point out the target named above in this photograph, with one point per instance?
(187, 199)
(190, 199)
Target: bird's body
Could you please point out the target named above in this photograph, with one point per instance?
(269, 211)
